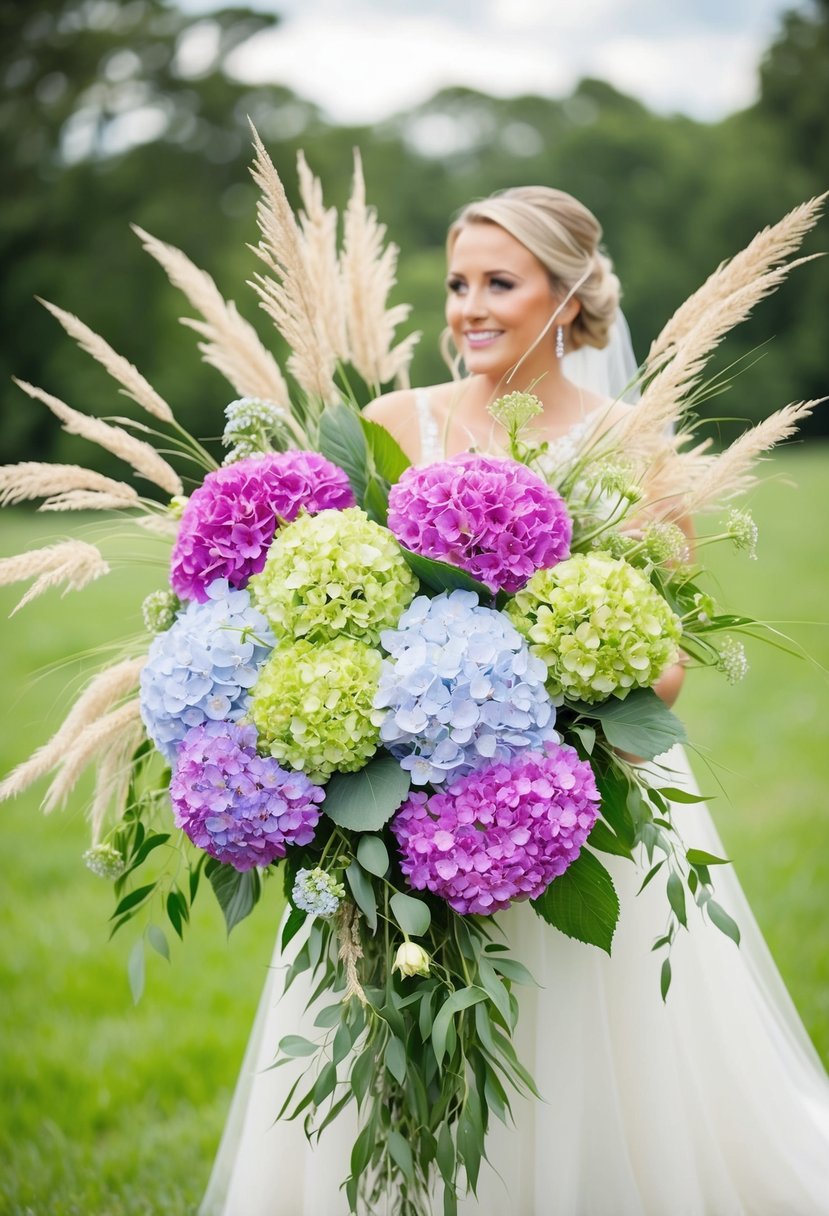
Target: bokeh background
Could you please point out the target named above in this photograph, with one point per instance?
(686, 131)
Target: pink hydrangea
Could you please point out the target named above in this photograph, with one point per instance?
(501, 834)
(229, 522)
(492, 517)
(242, 808)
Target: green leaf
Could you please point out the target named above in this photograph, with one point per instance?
(582, 902)
(390, 461)
(325, 1083)
(674, 794)
(151, 842)
(158, 941)
(514, 971)
(470, 1146)
(173, 906)
(642, 724)
(237, 893)
(342, 1043)
(373, 855)
(698, 857)
(365, 801)
(462, 998)
(133, 899)
(651, 874)
(606, 841)
(295, 1045)
(401, 1153)
(614, 787)
(440, 576)
(296, 919)
(412, 915)
(341, 440)
(445, 1155)
(665, 978)
(676, 898)
(723, 921)
(135, 970)
(361, 1152)
(376, 501)
(362, 1074)
(395, 1059)
(495, 990)
(363, 893)
(330, 1016)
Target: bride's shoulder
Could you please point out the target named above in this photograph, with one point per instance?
(399, 412)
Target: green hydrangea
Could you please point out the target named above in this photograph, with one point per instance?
(312, 706)
(333, 573)
(599, 625)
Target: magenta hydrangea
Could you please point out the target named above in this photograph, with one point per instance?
(230, 520)
(501, 834)
(241, 808)
(492, 517)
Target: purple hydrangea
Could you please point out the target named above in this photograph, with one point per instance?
(241, 808)
(229, 522)
(460, 689)
(501, 834)
(204, 666)
(492, 517)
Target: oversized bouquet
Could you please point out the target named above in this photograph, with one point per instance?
(417, 693)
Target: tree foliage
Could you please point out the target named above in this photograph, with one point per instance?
(115, 113)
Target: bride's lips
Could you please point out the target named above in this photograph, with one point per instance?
(477, 339)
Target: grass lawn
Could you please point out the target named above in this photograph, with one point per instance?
(112, 1110)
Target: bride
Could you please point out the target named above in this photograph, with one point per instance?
(711, 1104)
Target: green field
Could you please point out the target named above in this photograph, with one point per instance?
(111, 1110)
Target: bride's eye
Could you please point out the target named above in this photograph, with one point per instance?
(501, 284)
(455, 285)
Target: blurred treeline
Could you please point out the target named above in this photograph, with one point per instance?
(121, 112)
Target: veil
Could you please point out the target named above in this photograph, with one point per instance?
(610, 372)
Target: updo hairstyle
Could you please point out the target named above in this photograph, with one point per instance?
(564, 236)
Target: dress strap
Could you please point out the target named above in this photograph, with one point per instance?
(430, 446)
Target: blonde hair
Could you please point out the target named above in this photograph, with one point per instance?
(564, 235)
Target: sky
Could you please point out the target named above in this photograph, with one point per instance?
(364, 60)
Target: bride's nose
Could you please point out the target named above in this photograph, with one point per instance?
(474, 303)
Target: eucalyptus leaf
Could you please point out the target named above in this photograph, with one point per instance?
(462, 998)
(665, 978)
(133, 899)
(363, 893)
(296, 919)
(135, 970)
(157, 939)
(401, 1153)
(674, 794)
(395, 1059)
(373, 855)
(676, 898)
(582, 902)
(412, 915)
(295, 1045)
(365, 801)
(723, 921)
(342, 441)
(642, 724)
(698, 857)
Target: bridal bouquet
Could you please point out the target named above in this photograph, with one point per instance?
(414, 693)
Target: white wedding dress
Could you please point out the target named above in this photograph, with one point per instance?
(711, 1104)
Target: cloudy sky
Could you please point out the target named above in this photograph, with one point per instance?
(363, 60)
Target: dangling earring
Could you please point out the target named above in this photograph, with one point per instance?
(559, 342)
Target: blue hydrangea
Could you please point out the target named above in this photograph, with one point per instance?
(459, 690)
(204, 666)
(317, 892)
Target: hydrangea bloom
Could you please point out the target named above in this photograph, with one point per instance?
(204, 666)
(461, 689)
(317, 892)
(229, 522)
(238, 806)
(599, 625)
(501, 834)
(312, 706)
(494, 518)
(336, 572)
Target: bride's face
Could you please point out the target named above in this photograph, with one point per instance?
(499, 299)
